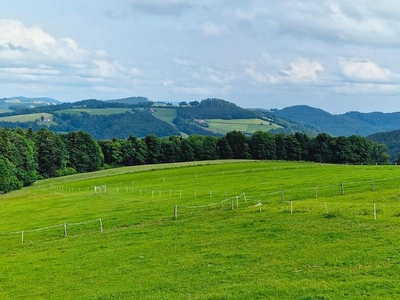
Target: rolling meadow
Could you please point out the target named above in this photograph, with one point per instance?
(205, 230)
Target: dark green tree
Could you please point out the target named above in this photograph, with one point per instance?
(51, 153)
(262, 145)
(171, 149)
(239, 143)
(224, 149)
(8, 177)
(154, 150)
(84, 154)
(321, 148)
(141, 150)
(21, 152)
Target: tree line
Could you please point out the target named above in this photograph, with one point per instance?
(28, 155)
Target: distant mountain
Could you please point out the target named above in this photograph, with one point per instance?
(337, 125)
(384, 121)
(187, 117)
(17, 102)
(215, 109)
(130, 100)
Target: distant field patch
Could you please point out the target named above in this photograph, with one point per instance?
(27, 118)
(245, 125)
(165, 114)
(96, 111)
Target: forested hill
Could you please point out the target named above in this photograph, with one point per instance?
(392, 140)
(214, 109)
(130, 100)
(347, 124)
(114, 125)
(384, 121)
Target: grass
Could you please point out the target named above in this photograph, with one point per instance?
(245, 125)
(26, 118)
(166, 114)
(292, 249)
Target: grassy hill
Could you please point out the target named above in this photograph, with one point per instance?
(26, 118)
(103, 119)
(304, 242)
(244, 125)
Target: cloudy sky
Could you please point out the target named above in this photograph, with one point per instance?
(338, 55)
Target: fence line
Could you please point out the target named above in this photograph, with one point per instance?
(158, 192)
(212, 204)
(22, 232)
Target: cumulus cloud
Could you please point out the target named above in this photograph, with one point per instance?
(160, 7)
(31, 54)
(359, 21)
(365, 70)
(302, 71)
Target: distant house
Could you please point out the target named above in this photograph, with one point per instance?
(199, 121)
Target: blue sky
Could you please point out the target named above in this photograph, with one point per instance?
(337, 55)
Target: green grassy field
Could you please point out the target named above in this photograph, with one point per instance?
(245, 125)
(316, 236)
(166, 114)
(26, 118)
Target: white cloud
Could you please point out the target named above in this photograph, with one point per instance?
(193, 90)
(160, 7)
(101, 54)
(302, 71)
(211, 29)
(31, 54)
(271, 61)
(257, 76)
(34, 38)
(365, 71)
(359, 21)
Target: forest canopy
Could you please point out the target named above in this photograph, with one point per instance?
(28, 155)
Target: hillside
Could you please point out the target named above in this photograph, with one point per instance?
(232, 237)
(20, 102)
(111, 119)
(215, 109)
(384, 121)
(213, 117)
(130, 100)
(325, 122)
(391, 139)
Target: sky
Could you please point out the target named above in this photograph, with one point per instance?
(337, 55)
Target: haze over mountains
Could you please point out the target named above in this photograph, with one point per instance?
(345, 124)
